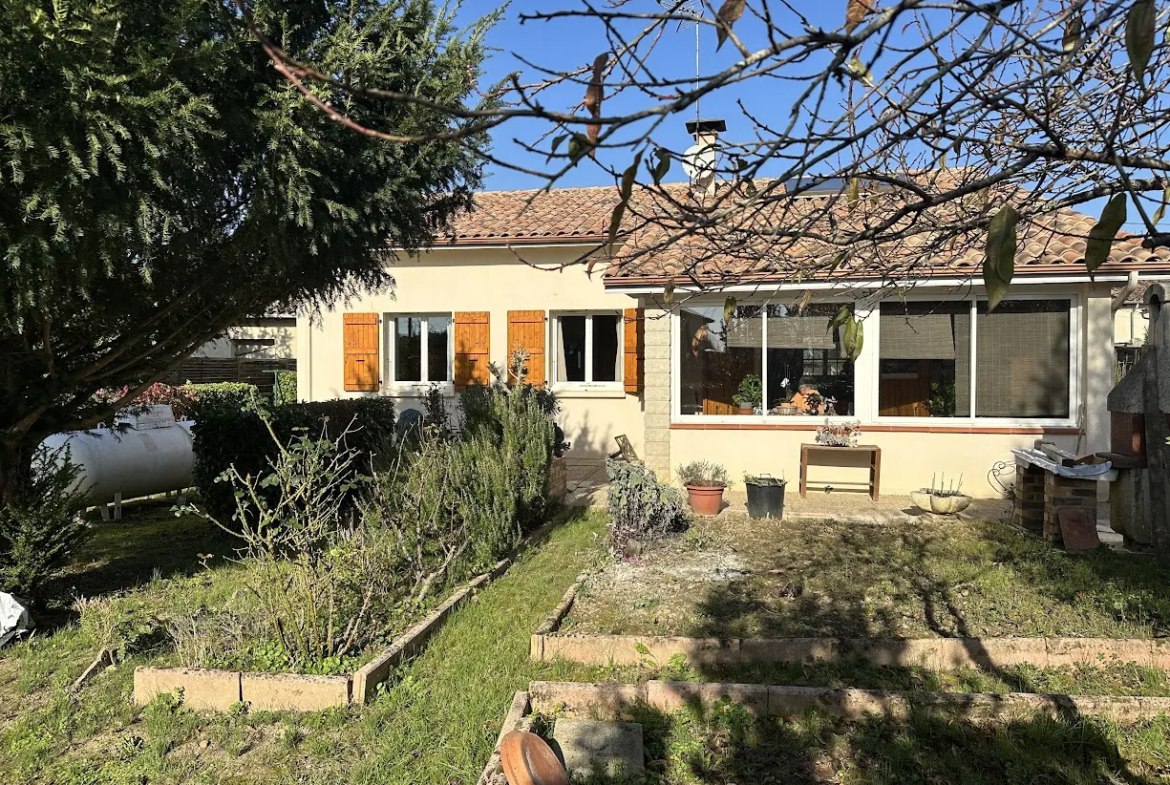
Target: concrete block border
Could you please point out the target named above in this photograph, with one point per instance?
(576, 699)
(516, 719)
(943, 654)
(218, 690)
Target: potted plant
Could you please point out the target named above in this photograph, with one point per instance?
(842, 434)
(705, 483)
(765, 496)
(943, 499)
(750, 394)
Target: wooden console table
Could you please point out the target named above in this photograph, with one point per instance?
(875, 465)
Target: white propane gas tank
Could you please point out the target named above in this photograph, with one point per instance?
(146, 453)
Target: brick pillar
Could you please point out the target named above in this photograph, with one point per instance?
(656, 407)
(1029, 494)
(1065, 492)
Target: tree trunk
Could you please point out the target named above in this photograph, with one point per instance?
(14, 457)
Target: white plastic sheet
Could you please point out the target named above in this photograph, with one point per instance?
(14, 618)
(1088, 471)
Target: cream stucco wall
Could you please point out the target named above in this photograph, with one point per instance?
(1130, 325)
(483, 279)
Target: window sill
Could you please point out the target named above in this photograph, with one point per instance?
(415, 389)
(588, 391)
(756, 424)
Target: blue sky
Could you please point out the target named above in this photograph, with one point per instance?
(566, 44)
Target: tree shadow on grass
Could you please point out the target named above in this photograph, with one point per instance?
(121, 555)
(723, 743)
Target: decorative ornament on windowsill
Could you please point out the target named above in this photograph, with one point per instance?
(842, 434)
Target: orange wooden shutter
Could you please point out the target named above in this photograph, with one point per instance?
(361, 352)
(472, 348)
(526, 331)
(635, 349)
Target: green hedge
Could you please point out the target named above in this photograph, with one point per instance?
(227, 435)
(222, 396)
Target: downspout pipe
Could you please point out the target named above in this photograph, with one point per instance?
(1131, 285)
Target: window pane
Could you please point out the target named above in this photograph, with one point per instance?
(571, 349)
(717, 357)
(438, 333)
(407, 349)
(805, 352)
(925, 360)
(605, 347)
(1022, 359)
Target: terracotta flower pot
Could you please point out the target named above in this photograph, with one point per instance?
(705, 500)
(745, 410)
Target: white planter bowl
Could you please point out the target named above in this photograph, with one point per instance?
(940, 505)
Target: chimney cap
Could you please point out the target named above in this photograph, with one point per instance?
(706, 126)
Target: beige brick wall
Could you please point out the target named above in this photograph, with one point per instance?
(657, 395)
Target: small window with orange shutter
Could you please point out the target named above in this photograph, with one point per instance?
(588, 350)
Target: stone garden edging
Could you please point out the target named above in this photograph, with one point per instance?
(219, 690)
(941, 654)
(934, 653)
(579, 699)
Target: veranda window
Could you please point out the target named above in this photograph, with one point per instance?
(1015, 366)
(775, 359)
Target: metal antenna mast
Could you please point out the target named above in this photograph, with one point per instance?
(691, 9)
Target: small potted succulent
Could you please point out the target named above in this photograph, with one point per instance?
(765, 496)
(943, 499)
(750, 394)
(705, 483)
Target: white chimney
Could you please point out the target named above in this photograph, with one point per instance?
(701, 159)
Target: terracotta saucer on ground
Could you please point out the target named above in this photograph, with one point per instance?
(528, 760)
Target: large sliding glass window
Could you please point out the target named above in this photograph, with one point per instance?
(924, 360)
(1022, 359)
(774, 359)
(1019, 357)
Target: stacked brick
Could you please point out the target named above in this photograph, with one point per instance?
(1029, 493)
(1060, 492)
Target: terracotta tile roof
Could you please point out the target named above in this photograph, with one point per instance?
(559, 215)
(1052, 244)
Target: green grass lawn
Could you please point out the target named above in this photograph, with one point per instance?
(722, 743)
(734, 577)
(438, 721)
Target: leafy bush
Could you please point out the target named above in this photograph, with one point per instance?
(223, 396)
(639, 506)
(42, 527)
(226, 438)
(285, 389)
(314, 569)
(520, 419)
(704, 474)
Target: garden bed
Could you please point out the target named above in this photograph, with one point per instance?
(718, 733)
(736, 578)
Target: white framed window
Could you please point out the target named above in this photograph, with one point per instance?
(770, 359)
(420, 350)
(927, 358)
(953, 360)
(587, 349)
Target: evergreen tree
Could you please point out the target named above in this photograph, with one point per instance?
(159, 180)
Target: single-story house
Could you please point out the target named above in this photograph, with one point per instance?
(941, 385)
